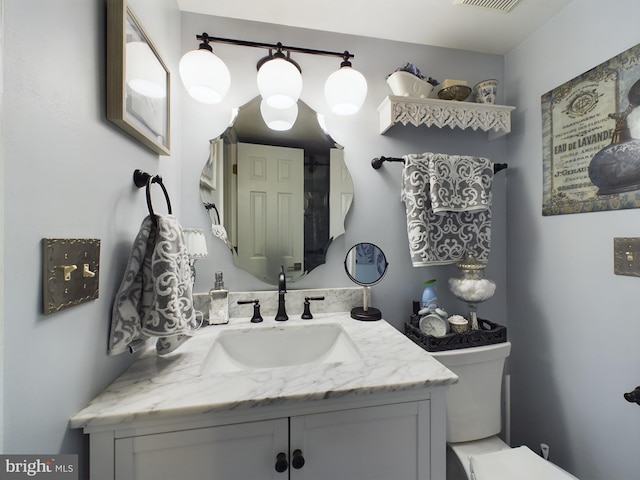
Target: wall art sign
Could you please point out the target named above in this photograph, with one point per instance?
(138, 81)
(591, 139)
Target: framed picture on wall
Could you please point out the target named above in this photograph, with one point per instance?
(209, 177)
(591, 139)
(138, 81)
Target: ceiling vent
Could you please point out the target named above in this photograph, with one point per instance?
(495, 5)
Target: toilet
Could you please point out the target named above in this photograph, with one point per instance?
(474, 420)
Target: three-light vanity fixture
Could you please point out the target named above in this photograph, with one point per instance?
(207, 79)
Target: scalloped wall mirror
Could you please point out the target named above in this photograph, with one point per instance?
(276, 198)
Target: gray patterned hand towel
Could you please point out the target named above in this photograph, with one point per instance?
(463, 225)
(459, 183)
(155, 298)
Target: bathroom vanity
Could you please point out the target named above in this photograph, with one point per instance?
(326, 398)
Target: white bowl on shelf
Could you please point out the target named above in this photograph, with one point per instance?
(405, 84)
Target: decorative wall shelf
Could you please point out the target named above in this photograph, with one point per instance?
(494, 119)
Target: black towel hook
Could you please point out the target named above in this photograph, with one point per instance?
(142, 179)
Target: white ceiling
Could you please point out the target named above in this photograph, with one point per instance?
(430, 22)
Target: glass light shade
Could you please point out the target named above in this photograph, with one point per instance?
(205, 76)
(196, 243)
(144, 74)
(279, 83)
(345, 91)
(278, 118)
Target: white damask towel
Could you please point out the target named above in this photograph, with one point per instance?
(459, 183)
(155, 298)
(439, 238)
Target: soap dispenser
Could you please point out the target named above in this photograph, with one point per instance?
(218, 302)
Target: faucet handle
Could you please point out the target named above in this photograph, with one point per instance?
(307, 304)
(257, 318)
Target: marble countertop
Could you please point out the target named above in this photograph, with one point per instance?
(155, 387)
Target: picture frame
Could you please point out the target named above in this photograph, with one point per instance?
(209, 177)
(591, 139)
(138, 81)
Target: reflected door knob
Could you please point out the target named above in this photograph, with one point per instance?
(281, 462)
(297, 461)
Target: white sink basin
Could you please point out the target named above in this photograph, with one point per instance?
(279, 346)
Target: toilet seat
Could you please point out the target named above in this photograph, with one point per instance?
(463, 451)
(520, 463)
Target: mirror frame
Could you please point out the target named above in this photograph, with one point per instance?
(380, 261)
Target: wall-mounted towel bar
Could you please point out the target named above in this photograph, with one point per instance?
(376, 163)
(144, 179)
(634, 396)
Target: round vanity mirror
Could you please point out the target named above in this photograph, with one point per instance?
(276, 197)
(365, 265)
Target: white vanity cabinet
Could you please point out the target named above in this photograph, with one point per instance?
(378, 417)
(386, 442)
(389, 442)
(239, 451)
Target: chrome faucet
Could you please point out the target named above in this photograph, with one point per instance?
(281, 316)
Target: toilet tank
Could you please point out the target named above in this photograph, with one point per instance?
(474, 403)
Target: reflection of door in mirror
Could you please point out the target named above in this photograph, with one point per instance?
(316, 209)
(327, 187)
(340, 193)
(270, 209)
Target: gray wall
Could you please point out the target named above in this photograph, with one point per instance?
(377, 213)
(573, 323)
(78, 167)
(67, 173)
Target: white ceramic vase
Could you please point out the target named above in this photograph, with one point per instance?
(486, 91)
(405, 84)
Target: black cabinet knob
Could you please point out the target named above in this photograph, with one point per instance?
(281, 462)
(297, 461)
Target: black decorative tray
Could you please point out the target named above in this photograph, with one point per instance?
(488, 333)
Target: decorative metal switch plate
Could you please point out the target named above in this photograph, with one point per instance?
(70, 272)
(626, 256)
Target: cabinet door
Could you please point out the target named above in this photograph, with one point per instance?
(389, 442)
(233, 452)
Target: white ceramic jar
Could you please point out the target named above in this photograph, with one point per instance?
(405, 84)
(486, 91)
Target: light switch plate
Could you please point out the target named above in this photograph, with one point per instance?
(626, 256)
(70, 272)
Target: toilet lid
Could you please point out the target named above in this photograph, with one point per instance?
(520, 463)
